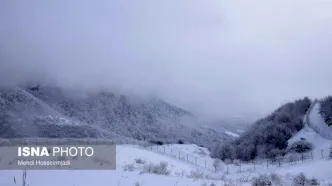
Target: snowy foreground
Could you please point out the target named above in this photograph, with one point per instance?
(181, 172)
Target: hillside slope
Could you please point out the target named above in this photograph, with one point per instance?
(316, 121)
(267, 137)
(102, 114)
(22, 115)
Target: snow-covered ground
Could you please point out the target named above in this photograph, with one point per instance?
(126, 155)
(319, 143)
(179, 171)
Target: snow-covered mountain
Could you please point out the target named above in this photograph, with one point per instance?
(39, 111)
(50, 108)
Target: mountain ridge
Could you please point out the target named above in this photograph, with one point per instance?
(146, 119)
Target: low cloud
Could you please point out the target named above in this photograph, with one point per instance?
(216, 58)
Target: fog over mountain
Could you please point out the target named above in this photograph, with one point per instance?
(221, 59)
(52, 112)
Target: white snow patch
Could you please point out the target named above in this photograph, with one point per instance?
(232, 134)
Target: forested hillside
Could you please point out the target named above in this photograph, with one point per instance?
(30, 111)
(326, 109)
(267, 137)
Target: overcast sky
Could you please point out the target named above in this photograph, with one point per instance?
(218, 58)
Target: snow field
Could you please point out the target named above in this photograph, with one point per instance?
(179, 170)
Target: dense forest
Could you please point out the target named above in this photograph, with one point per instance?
(267, 137)
(326, 109)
